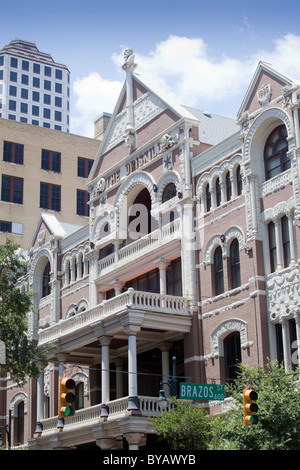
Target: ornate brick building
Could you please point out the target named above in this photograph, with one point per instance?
(190, 252)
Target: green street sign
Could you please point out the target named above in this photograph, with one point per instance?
(191, 391)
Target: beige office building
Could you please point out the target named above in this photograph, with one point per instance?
(42, 170)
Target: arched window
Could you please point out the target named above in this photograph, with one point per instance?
(275, 153)
(218, 192)
(239, 182)
(218, 271)
(228, 186)
(46, 281)
(140, 220)
(208, 198)
(232, 351)
(235, 271)
(169, 192)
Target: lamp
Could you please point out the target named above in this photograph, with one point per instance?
(172, 384)
(7, 429)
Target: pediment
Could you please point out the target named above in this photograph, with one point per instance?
(267, 86)
(148, 104)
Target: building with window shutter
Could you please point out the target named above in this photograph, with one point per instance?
(190, 252)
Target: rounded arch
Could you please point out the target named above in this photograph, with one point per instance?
(223, 330)
(37, 269)
(15, 401)
(211, 247)
(103, 227)
(126, 196)
(262, 127)
(170, 177)
(231, 234)
(132, 186)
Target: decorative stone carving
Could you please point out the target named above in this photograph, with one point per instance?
(220, 333)
(283, 293)
(42, 237)
(264, 94)
(99, 187)
(129, 63)
(168, 141)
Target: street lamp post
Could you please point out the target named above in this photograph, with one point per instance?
(7, 429)
(172, 384)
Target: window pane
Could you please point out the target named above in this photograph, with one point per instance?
(218, 271)
(272, 246)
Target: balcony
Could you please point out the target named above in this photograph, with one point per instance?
(146, 244)
(159, 311)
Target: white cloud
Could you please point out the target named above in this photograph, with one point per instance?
(185, 68)
(93, 95)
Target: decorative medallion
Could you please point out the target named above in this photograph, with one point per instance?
(264, 94)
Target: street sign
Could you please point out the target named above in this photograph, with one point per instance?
(193, 391)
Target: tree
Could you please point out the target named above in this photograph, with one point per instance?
(21, 354)
(279, 412)
(184, 426)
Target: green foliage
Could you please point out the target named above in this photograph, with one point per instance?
(279, 412)
(188, 427)
(184, 426)
(22, 355)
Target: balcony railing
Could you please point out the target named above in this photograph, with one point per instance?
(152, 302)
(148, 242)
(117, 408)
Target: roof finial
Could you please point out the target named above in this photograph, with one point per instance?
(129, 63)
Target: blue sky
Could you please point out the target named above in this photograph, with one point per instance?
(201, 52)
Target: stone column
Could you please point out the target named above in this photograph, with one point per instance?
(292, 237)
(40, 403)
(105, 342)
(297, 321)
(92, 258)
(286, 348)
(162, 265)
(133, 403)
(165, 347)
(278, 236)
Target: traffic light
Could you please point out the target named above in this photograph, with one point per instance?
(66, 407)
(250, 407)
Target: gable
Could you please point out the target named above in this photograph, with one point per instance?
(266, 87)
(149, 107)
(47, 227)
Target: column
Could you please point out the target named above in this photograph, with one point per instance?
(105, 342)
(92, 257)
(40, 403)
(162, 265)
(278, 236)
(165, 365)
(297, 321)
(292, 237)
(286, 344)
(133, 403)
(118, 286)
(252, 182)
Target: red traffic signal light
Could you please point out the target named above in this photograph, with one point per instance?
(66, 407)
(250, 407)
